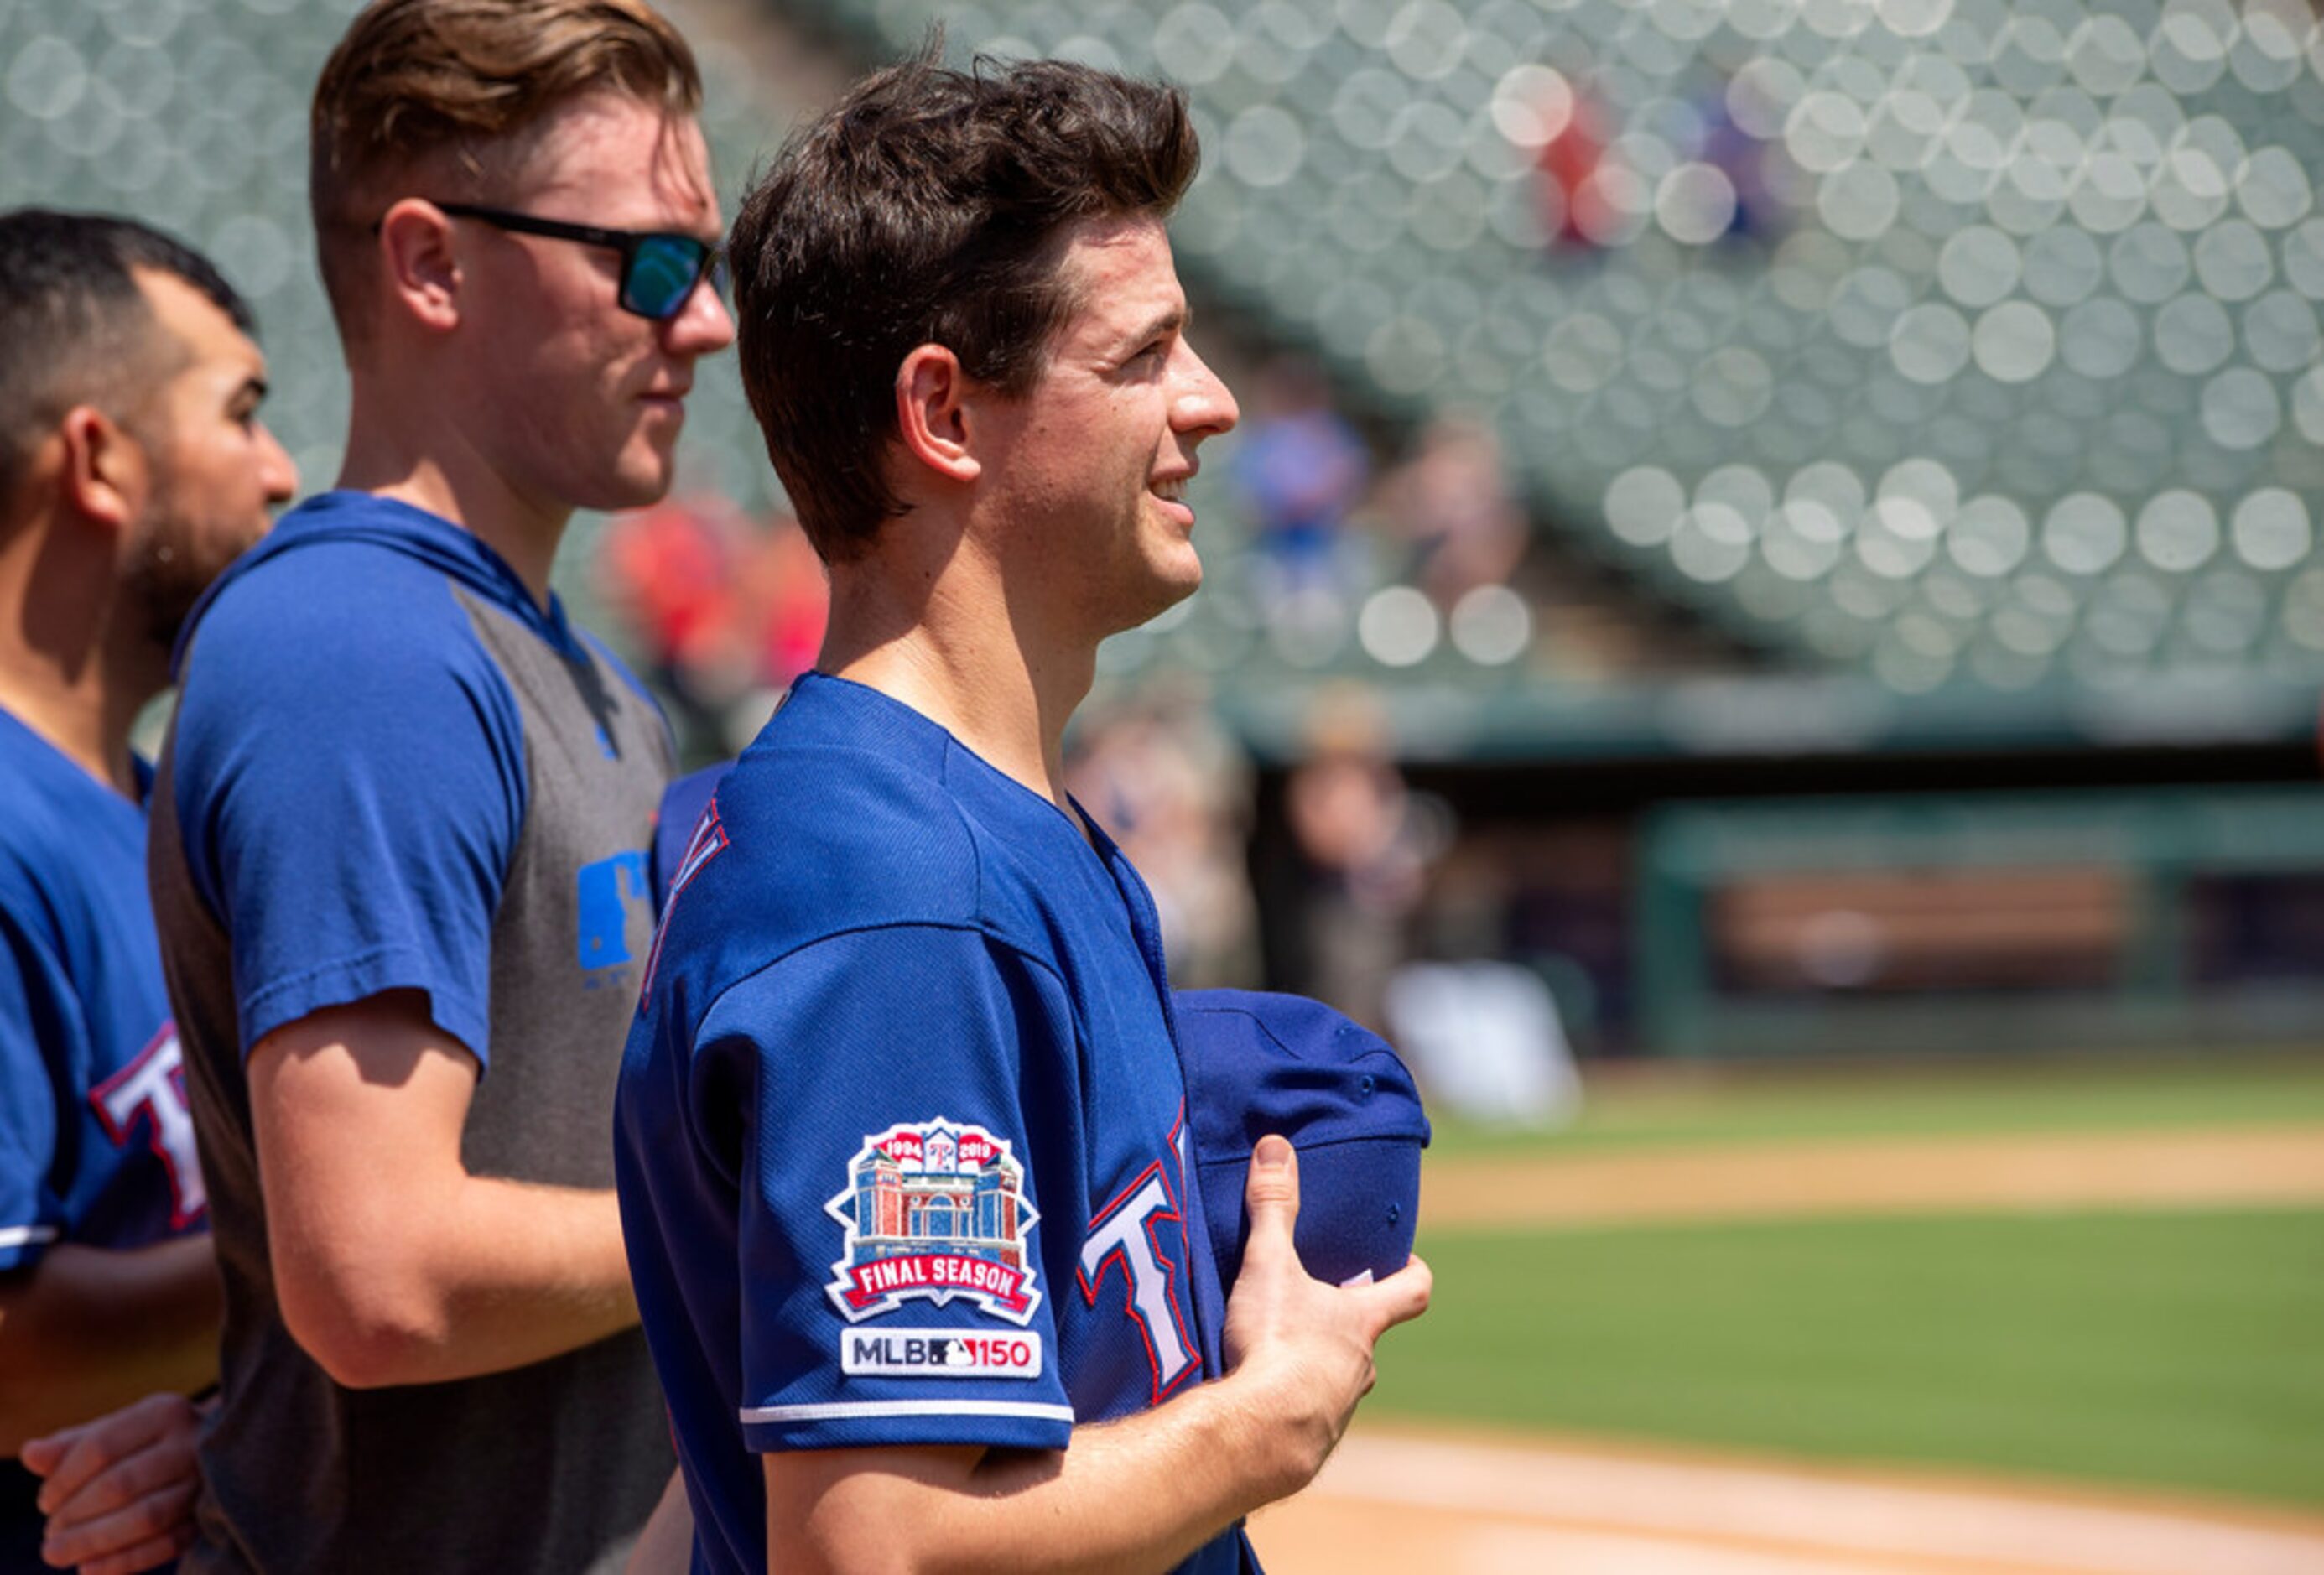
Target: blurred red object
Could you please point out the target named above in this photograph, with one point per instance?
(783, 582)
(723, 605)
(670, 568)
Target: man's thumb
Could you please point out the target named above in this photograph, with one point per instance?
(1272, 1192)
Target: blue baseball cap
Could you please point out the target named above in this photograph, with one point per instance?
(1259, 1063)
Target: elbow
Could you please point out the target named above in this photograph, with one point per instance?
(813, 1556)
(361, 1359)
(363, 1329)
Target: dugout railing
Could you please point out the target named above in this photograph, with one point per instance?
(1975, 922)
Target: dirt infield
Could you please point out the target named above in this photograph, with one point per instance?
(1451, 1503)
(2216, 1167)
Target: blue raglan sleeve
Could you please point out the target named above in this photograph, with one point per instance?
(889, 1230)
(349, 779)
(32, 1214)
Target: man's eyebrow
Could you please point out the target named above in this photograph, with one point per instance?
(1174, 319)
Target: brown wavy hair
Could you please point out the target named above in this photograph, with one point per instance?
(929, 205)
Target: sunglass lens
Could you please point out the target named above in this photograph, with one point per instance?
(663, 271)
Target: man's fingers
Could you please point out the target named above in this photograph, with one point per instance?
(39, 1455)
(1402, 1296)
(145, 1556)
(124, 1481)
(151, 1525)
(151, 1553)
(84, 1454)
(90, 1448)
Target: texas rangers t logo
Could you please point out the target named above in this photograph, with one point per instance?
(1127, 1232)
(153, 1086)
(934, 1210)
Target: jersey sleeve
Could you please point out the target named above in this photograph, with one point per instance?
(349, 816)
(889, 1232)
(32, 1214)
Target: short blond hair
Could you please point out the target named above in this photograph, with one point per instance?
(445, 91)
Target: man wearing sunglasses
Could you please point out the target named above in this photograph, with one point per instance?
(398, 831)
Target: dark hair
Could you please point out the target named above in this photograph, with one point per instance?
(928, 206)
(75, 328)
(443, 90)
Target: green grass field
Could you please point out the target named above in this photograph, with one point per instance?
(1681, 1106)
(2183, 1351)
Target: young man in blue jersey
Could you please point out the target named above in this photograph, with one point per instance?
(399, 828)
(133, 469)
(903, 1138)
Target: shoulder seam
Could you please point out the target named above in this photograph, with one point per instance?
(987, 931)
(968, 828)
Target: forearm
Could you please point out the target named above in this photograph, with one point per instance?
(480, 1275)
(87, 1329)
(1096, 1506)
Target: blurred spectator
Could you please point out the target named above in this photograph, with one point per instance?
(1450, 501)
(669, 572)
(725, 609)
(670, 569)
(789, 601)
(1175, 790)
(1575, 211)
(1485, 1040)
(1745, 160)
(1300, 467)
(1363, 852)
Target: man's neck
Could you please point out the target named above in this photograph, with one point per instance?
(940, 647)
(81, 697)
(439, 470)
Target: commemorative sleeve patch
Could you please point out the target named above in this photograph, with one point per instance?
(934, 1210)
(938, 1353)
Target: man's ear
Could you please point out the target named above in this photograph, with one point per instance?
(421, 262)
(933, 415)
(104, 473)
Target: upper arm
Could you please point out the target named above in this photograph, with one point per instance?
(348, 820)
(32, 1214)
(840, 1509)
(357, 1112)
(890, 1196)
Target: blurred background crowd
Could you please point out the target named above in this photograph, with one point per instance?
(1757, 523)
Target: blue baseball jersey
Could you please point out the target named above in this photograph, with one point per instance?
(901, 1134)
(95, 1145)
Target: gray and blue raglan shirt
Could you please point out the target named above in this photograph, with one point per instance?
(392, 769)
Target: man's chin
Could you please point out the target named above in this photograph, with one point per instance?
(642, 479)
(1181, 580)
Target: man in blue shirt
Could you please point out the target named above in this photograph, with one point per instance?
(902, 1139)
(398, 831)
(132, 468)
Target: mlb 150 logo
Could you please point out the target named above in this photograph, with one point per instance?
(939, 1353)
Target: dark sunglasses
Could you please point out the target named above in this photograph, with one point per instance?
(659, 270)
